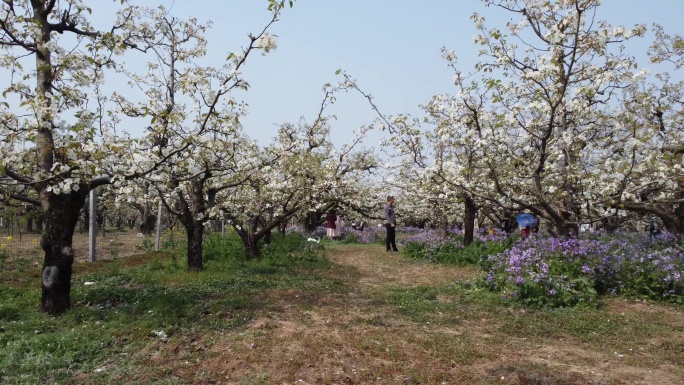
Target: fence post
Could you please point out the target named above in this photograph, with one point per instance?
(159, 218)
(92, 228)
(223, 228)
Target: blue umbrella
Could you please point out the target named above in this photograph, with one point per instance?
(525, 220)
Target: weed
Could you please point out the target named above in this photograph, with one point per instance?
(224, 248)
(4, 255)
(142, 320)
(147, 245)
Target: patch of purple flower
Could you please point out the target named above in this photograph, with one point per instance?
(367, 236)
(432, 239)
(565, 272)
(497, 235)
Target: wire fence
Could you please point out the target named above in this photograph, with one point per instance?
(115, 243)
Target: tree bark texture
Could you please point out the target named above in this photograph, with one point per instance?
(195, 234)
(60, 217)
(469, 221)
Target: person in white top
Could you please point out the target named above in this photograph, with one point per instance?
(338, 228)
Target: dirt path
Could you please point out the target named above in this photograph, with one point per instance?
(355, 336)
(378, 270)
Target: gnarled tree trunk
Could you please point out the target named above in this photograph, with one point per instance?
(310, 221)
(60, 217)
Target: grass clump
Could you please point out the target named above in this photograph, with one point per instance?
(120, 308)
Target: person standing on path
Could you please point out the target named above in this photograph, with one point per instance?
(390, 225)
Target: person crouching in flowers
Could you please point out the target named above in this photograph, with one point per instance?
(330, 220)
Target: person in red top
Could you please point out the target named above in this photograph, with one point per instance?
(330, 223)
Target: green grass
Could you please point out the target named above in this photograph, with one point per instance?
(111, 333)
(598, 329)
(122, 310)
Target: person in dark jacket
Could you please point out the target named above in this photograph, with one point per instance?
(390, 225)
(653, 230)
(330, 223)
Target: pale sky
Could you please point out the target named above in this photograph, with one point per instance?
(392, 47)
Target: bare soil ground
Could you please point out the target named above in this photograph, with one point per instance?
(356, 336)
(109, 246)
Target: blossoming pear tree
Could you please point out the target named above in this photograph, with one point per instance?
(643, 171)
(54, 139)
(58, 136)
(431, 181)
(548, 79)
(194, 122)
(304, 173)
(460, 165)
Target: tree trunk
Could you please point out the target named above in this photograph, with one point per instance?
(85, 217)
(251, 244)
(560, 229)
(672, 224)
(29, 223)
(39, 224)
(442, 222)
(195, 231)
(101, 223)
(610, 224)
(679, 214)
(61, 215)
(149, 221)
(469, 221)
(305, 223)
(310, 221)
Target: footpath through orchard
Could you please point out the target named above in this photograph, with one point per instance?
(392, 320)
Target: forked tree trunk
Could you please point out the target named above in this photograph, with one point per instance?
(60, 218)
(250, 241)
(251, 245)
(610, 224)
